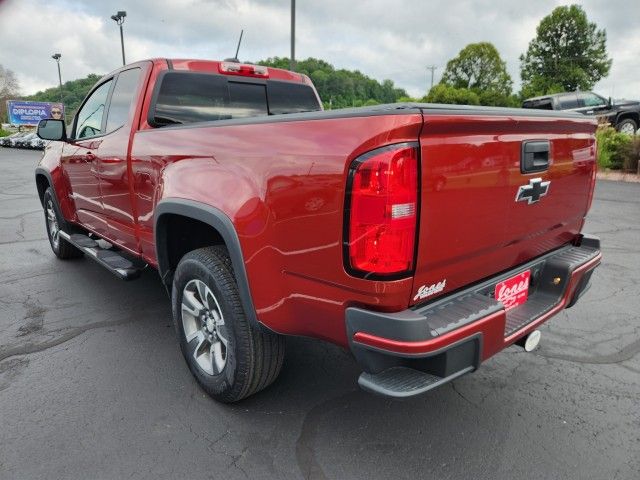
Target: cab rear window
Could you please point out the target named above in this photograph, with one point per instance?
(188, 97)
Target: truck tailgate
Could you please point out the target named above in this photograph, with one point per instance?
(471, 224)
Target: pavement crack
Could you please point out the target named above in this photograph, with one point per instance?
(626, 353)
(237, 458)
(13, 242)
(29, 348)
(305, 455)
(16, 196)
(455, 389)
(20, 231)
(21, 215)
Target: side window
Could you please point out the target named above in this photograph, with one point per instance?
(567, 102)
(545, 104)
(287, 97)
(542, 104)
(89, 123)
(122, 98)
(591, 100)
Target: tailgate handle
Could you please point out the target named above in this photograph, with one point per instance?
(535, 156)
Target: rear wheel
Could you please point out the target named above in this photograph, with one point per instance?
(627, 126)
(55, 222)
(229, 357)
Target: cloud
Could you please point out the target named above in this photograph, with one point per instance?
(383, 39)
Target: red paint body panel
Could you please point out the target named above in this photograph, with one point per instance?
(282, 185)
(284, 192)
(471, 226)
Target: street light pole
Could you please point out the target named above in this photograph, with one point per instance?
(119, 19)
(432, 68)
(57, 57)
(292, 63)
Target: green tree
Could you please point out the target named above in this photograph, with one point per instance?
(408, 100)
(442, 93)
(341, 88)
(569, 53)
(496, 99)
(9, 89)
(478, 67)
(73, 92)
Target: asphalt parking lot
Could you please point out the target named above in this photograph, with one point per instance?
(93, 386)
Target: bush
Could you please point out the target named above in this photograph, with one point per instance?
(4, 133)
(617, 151)
(447, 94)
(407, 100)
(631, 161)
(492, 98)
(443, 93)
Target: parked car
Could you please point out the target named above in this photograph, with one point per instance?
(37, 143)
(265, 216)
(624, 115)
(17, 141)
(9, 140)
(25, 141)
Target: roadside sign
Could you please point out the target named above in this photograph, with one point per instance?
(22, 112)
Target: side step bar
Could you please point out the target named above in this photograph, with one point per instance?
(110, 259)
(404, 382)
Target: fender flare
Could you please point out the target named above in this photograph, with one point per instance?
(220, 222)
(46, 173)
(631, 114)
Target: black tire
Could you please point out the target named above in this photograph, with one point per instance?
(627, 125)
(61, 248)
(253, 358)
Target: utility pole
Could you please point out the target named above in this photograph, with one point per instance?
(119, 19)
(57, 57)
(432, 68)
(292, 63)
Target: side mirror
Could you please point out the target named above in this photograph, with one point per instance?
(52, 129)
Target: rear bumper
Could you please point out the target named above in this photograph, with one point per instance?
(407, 353)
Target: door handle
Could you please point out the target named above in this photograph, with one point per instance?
(535, 156)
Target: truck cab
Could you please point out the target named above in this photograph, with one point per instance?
(624, 115)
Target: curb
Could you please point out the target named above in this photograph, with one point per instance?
(618, 176)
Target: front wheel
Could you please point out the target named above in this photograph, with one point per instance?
(230, 358)
(627, 126)
(54, 223)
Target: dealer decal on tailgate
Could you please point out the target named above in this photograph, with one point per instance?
(513, 291)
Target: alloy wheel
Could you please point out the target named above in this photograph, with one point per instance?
(52, 222)
(628, 129)
(203, 324)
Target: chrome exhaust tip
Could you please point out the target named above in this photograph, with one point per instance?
(531, 341)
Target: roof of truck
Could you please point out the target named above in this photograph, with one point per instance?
(553, 95)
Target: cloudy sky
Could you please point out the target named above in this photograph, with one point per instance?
(383, 39)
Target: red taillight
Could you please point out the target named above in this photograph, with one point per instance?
(245, 70)
(383, 208)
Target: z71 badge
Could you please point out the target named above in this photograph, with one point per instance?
(427, 290)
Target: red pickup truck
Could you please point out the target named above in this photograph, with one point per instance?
(423, 238)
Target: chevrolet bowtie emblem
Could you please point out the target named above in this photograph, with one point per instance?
(533, 192)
